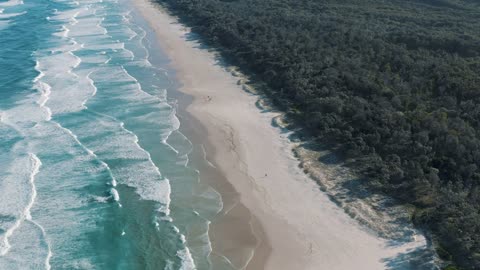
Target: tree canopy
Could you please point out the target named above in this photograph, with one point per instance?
(393, 84)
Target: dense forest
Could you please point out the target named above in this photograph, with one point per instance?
(394, 85)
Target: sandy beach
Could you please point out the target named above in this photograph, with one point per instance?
(272, 210)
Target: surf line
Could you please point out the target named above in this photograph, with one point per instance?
(26, 214)
(36, 169)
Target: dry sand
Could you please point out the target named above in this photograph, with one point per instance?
(295, 225)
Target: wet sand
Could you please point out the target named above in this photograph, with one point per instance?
(274, 215)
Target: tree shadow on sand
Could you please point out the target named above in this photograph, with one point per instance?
(414, 259)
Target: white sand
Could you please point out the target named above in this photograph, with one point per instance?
(304, 229)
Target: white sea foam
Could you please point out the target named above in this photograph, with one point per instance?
(101, 199)
(98, 44)
(175, 126)
(169, 265)
(158, 188)
(26, 112)
(72, 171)
(36, 168)
(57, 64)
(184, 254)
(11, 3)
(94, 58)
(57, 69)
(150, 185)
(74, 20)
(90, 152)
(93, 87)
(142, 38)
(82, 264)
(36, 163)
(120, 31)
(10, 15)
(5, 21)
(64, 32)
(64, 48)
(88, 26)
(187, 259)
(124, 76)
(45, 91)
(57, 76)
(5, 245)
(25, 214)
(114, 194)
(67, 16)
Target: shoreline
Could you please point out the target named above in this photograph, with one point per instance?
(210, 175)
(294, 224)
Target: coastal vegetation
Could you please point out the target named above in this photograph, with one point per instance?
(393, 86)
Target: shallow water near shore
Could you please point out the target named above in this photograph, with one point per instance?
(94, 171)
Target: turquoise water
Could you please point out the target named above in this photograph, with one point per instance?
(94, 173)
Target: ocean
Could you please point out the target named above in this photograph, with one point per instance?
(94, 172)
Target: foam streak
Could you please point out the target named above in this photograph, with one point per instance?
(26, 215)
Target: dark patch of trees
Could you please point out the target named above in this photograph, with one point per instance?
(393, 84)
